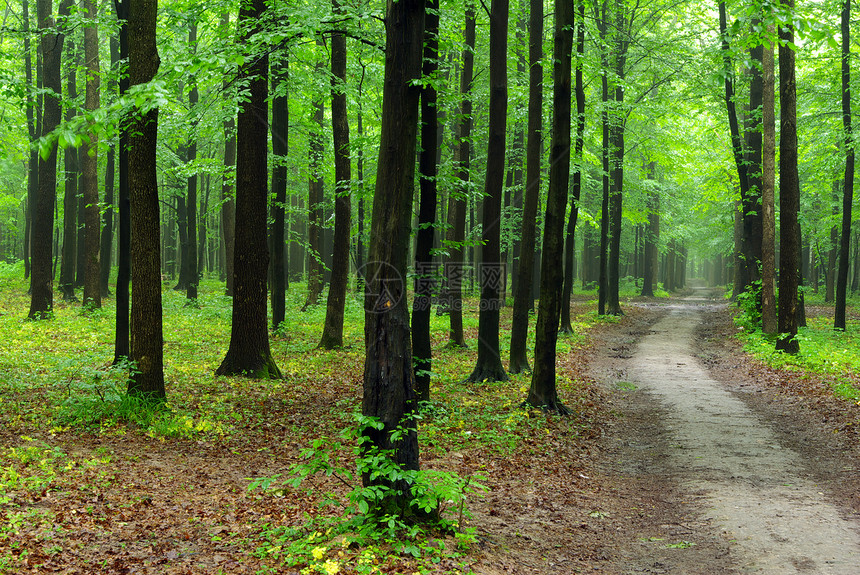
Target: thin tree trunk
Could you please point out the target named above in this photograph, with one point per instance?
(70, 194)
(848, 189)
(332, 336)
(89, 166)
(33, 161)
(518, 360)
(110, 183)
(189, 255)
(280, 149)
(315, 199)
(455, 266)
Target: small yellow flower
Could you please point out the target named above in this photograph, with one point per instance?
(318, 553)
(331, 567)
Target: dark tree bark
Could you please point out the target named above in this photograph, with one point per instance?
(70, 194)
(569, 246)
(518, 361)
(42, 289)
(316, 150)
(389, 393)
(751, 201)
(789, 193)
(228, 205)
(110, 183)
(848, 189)
(89, 166)
(616, 177)
(603, 280)
(332, 336)
(425, 274)
(280, 149)
(489, 363)
(147, 379)
(122, 342)
(33, 110)
(249, 353)
(182, 231)
(652, 238)
(456, 236)
(189, 255)
(543, 392)
(768, 169)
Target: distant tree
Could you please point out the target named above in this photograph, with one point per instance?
(332, 336)
(518, 360)
(389, 379)
(249, 353)
(280, 149)
(147, 378)
(848, 182)
(652, 237)
(424, 237)
(579, 92)
(70, 193)
(543, 392)
(488, 366)
(189, 255)
(456, 236)
(316, 186)
(89, 164)
(789, 192)
(42, 289)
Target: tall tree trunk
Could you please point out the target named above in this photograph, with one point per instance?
(147, 378)
(543, 392)
(280, 149)
(848, 189)
(456, 237)
(32, 112)
(388, 390)
(741, 268)
(768, 169)
(489, 363)
(249, 353)
(569, 261)
(424, 269)
(122, 342)
(603, 280)
(70, 194)
(89, 165)
(751, 201)
(182, 230)
(42, 289)
(315, 199)
(616, 177)
(228, 205)
(110, 182)
(652, 238)
(332, 336)
(789, 192)
(189, 255)
(518, 361)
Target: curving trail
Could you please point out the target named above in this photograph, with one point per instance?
(732, 463)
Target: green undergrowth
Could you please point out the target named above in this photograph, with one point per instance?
(58, 384)
(833, 354)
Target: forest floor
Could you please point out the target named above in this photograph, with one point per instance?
(683, 456)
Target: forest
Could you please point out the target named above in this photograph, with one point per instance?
(296, 283)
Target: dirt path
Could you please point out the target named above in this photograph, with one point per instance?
(720, 482)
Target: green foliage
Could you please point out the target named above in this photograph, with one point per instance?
(436, 504)
(749, 303)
